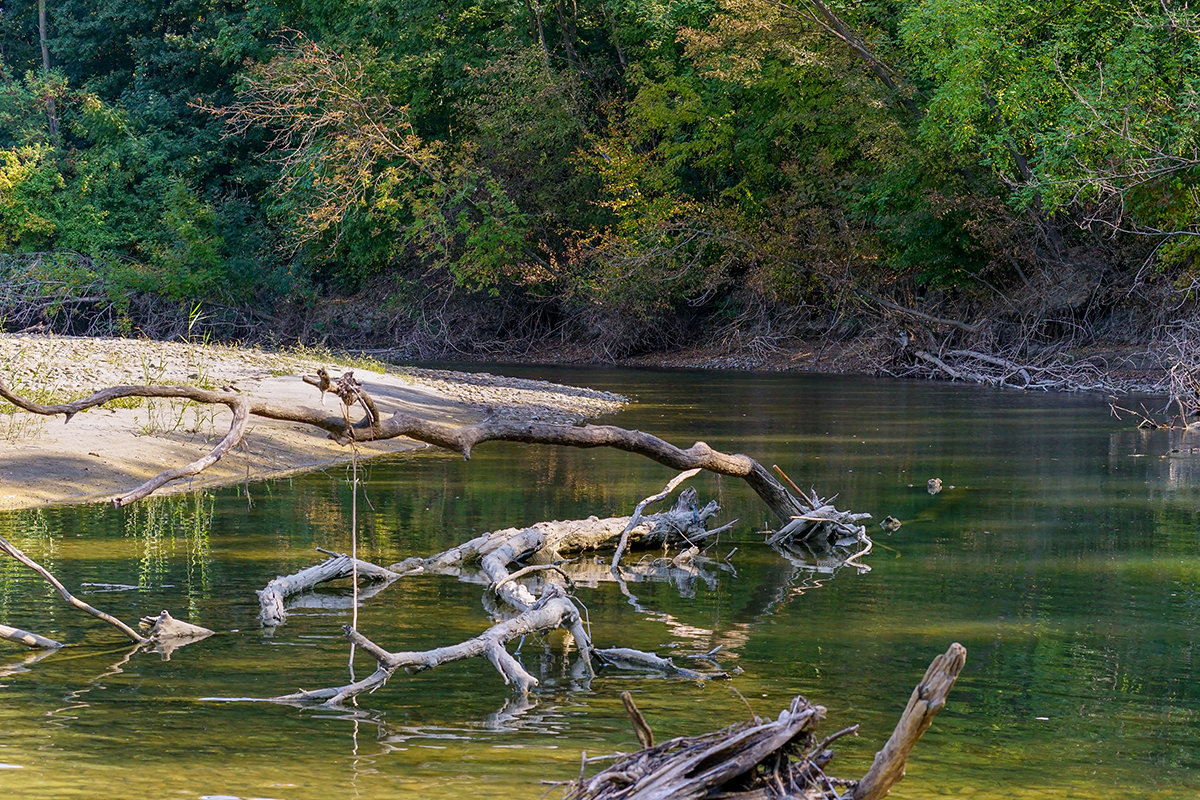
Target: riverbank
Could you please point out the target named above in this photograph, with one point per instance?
(110, 449)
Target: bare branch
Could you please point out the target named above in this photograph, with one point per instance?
(7, 547)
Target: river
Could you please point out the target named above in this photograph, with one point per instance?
(1064, 553)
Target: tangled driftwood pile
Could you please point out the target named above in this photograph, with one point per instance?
(766, 759)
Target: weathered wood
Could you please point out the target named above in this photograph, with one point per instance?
(163, 626)
(640, 660)
(552, 611)
(271, 598)
(461, 439)
(637, 512)
(7, 547)
(928, 698)
(547, 542)
(239, 405)
(28, 639)
(767, 760)
(496, 552)
(640, 726)
(714, 764)
(169, 634)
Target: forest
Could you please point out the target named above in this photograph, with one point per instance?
(602, 177)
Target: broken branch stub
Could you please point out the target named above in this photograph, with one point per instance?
(928, 698)
(164, 626)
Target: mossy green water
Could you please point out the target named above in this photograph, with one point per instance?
(1066, 558)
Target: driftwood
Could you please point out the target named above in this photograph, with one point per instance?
(10, 549)
(1052, 373)
(552, 611)
(928, 698)
(778, 759)
(723, 763)
(271, 598)
(493, 554)
(169, 634)
(158, 633)
(636, 517)
(549, 542)
(460, 439)
(28, 639)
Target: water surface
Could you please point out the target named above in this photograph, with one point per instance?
(1065, 558)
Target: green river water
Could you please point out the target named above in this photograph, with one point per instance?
(1066, 558)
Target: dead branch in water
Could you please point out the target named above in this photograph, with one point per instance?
(552, 611)
(494, 554)
(164, 627)
(271, 598)
(779, 759)
(28, 639)
(1053, 373)
(461, 439)
(928, 698)
(11, 550)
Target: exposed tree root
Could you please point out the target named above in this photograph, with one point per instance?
(765, 760)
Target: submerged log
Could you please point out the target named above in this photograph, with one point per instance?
(778, 759)
(271, 598)
(169, 634)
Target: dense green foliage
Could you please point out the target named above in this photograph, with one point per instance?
(492, 169)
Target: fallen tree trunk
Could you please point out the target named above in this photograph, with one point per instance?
(460, 439)
(779, 759)
(495, 552)
(545, 543)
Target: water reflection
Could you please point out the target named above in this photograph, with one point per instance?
(1067, 561)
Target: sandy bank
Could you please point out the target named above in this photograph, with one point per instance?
(105, 451)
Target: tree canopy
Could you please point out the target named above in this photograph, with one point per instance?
(498, 170)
